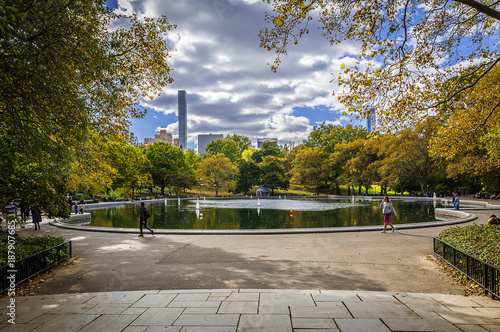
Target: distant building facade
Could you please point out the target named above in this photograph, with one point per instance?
(262, 140)
(131, 138)
(182, 119)
(163, 136)
(204, 140)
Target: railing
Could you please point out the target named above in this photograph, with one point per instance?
(485, 275)
(29, 267)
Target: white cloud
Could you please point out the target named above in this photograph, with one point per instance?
(230, 88)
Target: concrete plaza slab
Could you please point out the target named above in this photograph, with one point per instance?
(381, 311)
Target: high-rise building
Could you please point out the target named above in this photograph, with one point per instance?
(204, 140)
(182, 119)
(371, 120)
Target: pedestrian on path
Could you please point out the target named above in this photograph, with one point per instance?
(456, 201)
(387, 210)
(144, 215)
(36, 214)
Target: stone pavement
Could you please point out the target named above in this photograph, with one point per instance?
(248, 310)
(375, 282)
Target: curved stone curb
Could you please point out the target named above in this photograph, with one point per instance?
(464, 217)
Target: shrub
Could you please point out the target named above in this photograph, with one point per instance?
(30, 245)
(479, 241)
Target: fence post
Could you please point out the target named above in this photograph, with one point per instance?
(488, 278)
(485, 279)
(467, 270)
(30, 266)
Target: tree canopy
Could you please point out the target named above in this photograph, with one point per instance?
(228, 147)
(68, 69)
(415, 57)
(168, 165)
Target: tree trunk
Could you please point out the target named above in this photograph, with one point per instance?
(216, 191)
(337, 188)
(348, 190)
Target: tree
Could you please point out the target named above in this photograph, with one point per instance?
(242, 142)
(413, 147)
(467, 147)
(309, 169)
(248, 176)
(193, 159)
(247, 153)
(348, 171)
(409, 51)
(327, 136)
(91, 174)
(67, 68)
(130, 163)
(167, 166)
(216, 171)
(273, 174)
(226, 146)
(36, 179)
(267, 148)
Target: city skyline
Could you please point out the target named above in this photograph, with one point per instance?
(230, 86)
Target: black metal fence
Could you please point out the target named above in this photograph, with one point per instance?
(485, 275)
(21, 270)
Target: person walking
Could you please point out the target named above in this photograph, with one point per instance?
(144, 215)
(387, 210)
(456, 201)
(36, 214)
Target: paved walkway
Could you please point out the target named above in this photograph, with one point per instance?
(253, 310)
(362, 281)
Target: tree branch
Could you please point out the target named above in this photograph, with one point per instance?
(468, 86)
(486, 10)
(485, 119)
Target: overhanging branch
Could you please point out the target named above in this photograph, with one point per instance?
(486, 10)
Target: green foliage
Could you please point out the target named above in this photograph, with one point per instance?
(216, 171)
(248, 176)
(130, 163)
(479, 241)
(273, 174)
(228, 147)
(327, 136)
(309, 169)
(30, 245)
(168, 166)
(267, 148)
(243, 142)
(65, 73)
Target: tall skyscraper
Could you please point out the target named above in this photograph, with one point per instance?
(371, 120)
(182, 119)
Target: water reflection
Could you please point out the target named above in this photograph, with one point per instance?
(262, 214)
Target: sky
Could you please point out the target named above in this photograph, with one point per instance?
(231, 89)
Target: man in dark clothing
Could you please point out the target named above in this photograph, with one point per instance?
(36, 214)
(144, 215)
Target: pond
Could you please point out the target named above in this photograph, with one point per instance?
(217, 214)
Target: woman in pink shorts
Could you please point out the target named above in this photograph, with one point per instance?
(387, 210)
